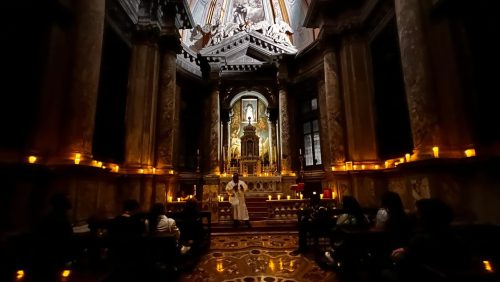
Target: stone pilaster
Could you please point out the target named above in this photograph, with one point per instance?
(416, 71)
(358, 99)
(284, 124)
(84, 81)
(214, 130)
(324, 130)
(140, 117)
(167, 118)
(335, 109)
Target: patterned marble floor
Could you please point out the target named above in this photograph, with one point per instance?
(257, 257)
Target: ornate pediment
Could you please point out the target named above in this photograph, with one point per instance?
(246, 51)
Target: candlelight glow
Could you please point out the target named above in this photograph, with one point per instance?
(154, 170)
(170, 199)
(288, 197)
(435, 151)
(334, 195)
(269, 197)
(141, 170)
(386, 164)
(32, 159)
(178, 199)
(279, 197)
(219, 267)
(470, 153)
(363, 166)
(408, 157)
(401, 160)
(271, 265)
(66, 273)
(77, 158)
(377, 166)
(487, 266)
(321, 196)
(20, 274)
(301, 196)
(171, 171)
(117, 168)
(333, 168)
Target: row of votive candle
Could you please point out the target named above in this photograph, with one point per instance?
(288, 197)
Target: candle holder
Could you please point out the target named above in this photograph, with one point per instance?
(198, 160)
(301, 159)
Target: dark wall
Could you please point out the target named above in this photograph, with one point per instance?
(109, 133)
(23, 47)
(392, 118)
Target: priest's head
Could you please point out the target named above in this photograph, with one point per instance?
(236, 177)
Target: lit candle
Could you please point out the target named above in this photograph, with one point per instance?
(190, 196)
(321, 196)
(170, 198)
(435, 151)
(333, 168)
(301, 196)
(279, 197)
(377, 166)
(386, 164)
(154, 170)
(401, 160)
(178, 199)
(222, 198)
(77, 158)
(32, 159)
(300, 151)
(269, 197)
(334, 195)
(314, 192)
(470, 153)
(288, 197)
(407, 157)
(363, 166)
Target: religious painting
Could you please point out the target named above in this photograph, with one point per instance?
(249, 110)
(244, 11)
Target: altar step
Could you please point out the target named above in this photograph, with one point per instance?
(257, 208)
(256, 226)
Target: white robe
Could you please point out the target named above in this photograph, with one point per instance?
(240, 211)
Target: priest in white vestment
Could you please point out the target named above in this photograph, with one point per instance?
(236, 189)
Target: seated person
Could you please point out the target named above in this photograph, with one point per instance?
(392, 219)
(129, 224)
(353, 214)
(434, 247)
(160, 225)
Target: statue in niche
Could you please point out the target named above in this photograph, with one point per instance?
(249, 112)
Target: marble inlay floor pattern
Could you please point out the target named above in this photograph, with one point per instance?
(262, 257)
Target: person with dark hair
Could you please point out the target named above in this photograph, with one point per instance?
(392, 219)
(433, 248)
(128, 224)
(353, 214)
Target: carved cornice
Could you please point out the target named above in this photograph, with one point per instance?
(245, 52)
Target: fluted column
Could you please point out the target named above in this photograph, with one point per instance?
(358, 99)
(416, 71)
(167, 118)
(284, 124)
(335, 110)
(140, 117)
(82, 99)
(214, 133)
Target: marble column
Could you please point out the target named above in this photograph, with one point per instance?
(358, 99)
(416, 71)
(324, 130)
(140, 117)
(214, 130)
(335, 109)
(168, 110)
(284, 125)
(84, 79)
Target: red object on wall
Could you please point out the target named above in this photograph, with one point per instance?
(327, 193)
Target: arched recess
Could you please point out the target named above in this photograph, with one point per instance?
(247, 93)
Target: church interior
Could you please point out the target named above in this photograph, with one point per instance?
(311, 102)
